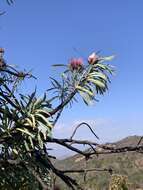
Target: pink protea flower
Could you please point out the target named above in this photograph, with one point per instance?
(76, 63)
(93, 58)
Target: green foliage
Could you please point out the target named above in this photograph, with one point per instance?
(88, 81)
(26, 121)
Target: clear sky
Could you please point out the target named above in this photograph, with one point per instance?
(37, 34)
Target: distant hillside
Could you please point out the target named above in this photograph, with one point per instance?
(129, 164)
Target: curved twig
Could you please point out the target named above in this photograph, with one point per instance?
(84, 123)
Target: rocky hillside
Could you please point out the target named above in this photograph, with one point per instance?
(128, 164)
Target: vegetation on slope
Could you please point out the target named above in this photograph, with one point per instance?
(128, 164)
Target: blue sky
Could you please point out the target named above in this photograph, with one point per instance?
(37, 34)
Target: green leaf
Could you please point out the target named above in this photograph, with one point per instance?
(31, 98)
(33, 120)
(56, 82)
(85, 90)
(98, 74)
(104, 68)
(40, 141)
(108, 58)
(25, 131)
(31, 142)
(15, 151)
(59, 65)
(42, 111)
(96, 82)
(43, 120)
(26, 146)
(86, 98)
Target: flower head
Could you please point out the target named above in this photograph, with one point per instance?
(93, 58)
(76, 63)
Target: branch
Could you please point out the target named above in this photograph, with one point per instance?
(83, 123)
(63, 104)
(71, 141)
(89, 170)
(99, 149)
(17, 74)
(63, 143)
(57, 117)
(140, 141)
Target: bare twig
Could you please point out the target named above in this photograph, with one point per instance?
(86, 124)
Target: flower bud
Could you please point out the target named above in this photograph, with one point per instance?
(93, 58)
